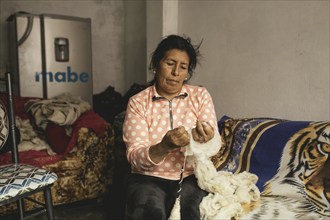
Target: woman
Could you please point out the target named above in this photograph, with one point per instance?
(156, 129)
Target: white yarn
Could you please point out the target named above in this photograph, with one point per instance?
(175, 213)
(227, 191)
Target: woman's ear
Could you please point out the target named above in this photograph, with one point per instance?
(188, 77)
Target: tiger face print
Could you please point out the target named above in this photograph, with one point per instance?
(305, 169)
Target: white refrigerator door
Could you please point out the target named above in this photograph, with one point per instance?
(73, 74)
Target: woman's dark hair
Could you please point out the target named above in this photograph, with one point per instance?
(176, 42)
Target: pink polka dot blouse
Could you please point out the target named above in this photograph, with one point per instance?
(149, 116)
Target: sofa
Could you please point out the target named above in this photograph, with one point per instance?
(71, 140)
(291, 160)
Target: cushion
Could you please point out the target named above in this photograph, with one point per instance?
(16, 179)
(290, 158)
(9, 143)
(4, 125)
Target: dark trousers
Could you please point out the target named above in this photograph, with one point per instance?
(153, 198)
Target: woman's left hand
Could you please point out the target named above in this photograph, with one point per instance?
(203, 132)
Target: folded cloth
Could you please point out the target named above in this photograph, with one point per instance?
(63, 109)
(29, 139)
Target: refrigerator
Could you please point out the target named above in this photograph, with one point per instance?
(50, 54)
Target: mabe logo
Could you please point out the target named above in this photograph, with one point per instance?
(67, 76)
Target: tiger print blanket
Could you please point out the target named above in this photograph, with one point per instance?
(291, 160)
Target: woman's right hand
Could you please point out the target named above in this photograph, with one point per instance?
(176, 138)
(173, 139)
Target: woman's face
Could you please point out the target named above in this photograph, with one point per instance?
(171, 73)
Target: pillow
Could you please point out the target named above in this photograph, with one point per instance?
(4, 127)
(56, 137)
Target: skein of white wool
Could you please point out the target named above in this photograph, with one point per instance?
(175, 213)
(203, 150)
(227, 191)
(212, 203)
(230, 192)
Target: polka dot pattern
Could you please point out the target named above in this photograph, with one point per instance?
(147, 122)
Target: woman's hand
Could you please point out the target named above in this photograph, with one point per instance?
(173, 139)
(176, 138)
(203, 132)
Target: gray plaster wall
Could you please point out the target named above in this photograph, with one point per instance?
(262, 58)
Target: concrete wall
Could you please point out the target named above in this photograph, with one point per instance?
(135, 42)
(262, 58)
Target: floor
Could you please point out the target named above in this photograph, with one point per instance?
(87, 210)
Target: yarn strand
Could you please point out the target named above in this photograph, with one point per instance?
(175, 213)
